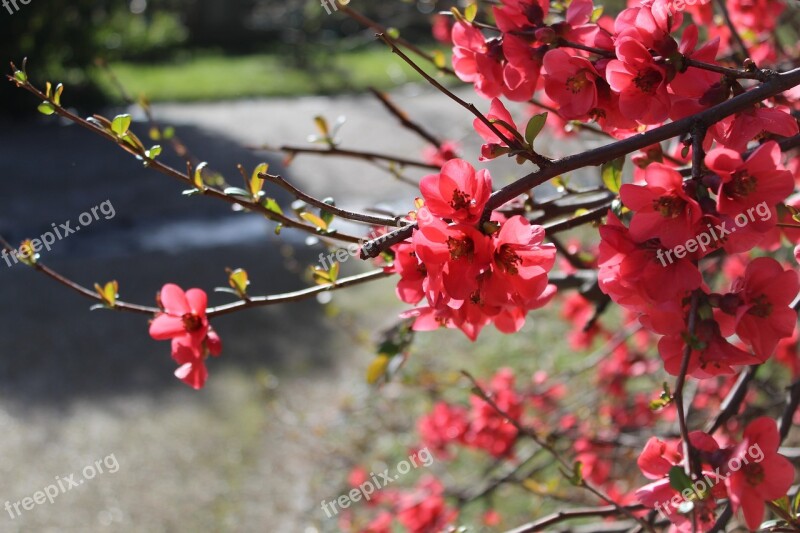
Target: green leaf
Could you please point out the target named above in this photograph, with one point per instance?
(315, 220)
(46, 108)
(612, 174)
(535, 125)
(333, 273)
(239, 281)
(236, 191)
(121, 124)
(439, 59)
(20, 76)
(596, 14)
(108, 292)
(197, 178)
(377, 368)
(153, 152)
(471, 12)
(272, 205)
(394, 33)
(58, 93)
(679, 480)
(168, 133)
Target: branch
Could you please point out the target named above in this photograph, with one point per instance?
(185, 178)
(341, 152)
(561, 516)
(777, 84)
(402, 116)
(678, 394)
(343, 213)
(732, 402)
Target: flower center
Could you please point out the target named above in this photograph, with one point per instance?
(754, 473)
(669, 206)
(461, 200)
(192, 322)
(508, 259)
(577, 82)
(761, 308)
(741, 184)
(463, 247)
(646, 80)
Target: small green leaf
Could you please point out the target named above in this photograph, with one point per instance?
(535, 125)
(471, 12)
(439, 59)
(46, 108)
(377, 368)
(20, 76)
(58, 93)
(394, 33)
(596, 14)
(121, 124)
(333, 273)
(197, 178)
(612, 174)
(153, 152)
(315, 220)
(239, 281)
(272, 205)
(168, 133)
(236, 191)
(108, 292)
(679, 480)
(322, 126)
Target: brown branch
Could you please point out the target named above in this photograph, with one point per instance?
(733, 401)
(119, 305)
(723, 9)
(569, 514)
(335, 151)
(343, 213)
(681, 381)
(402, 116)
(777, 84)
(185, 178)
(260, 301)
(515, 144)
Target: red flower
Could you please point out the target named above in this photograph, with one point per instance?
(443, 426)
(184, 314)
(458, 192)
(747, 184)
(571, 82)
(662, 208)
(184, 321)
(495, 146)
(640, 82)
(763, 315)
(764, 474)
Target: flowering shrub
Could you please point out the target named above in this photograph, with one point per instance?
(705, 106)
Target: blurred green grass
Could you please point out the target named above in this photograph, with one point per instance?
(209, 76)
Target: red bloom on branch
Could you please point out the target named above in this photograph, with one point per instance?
(662, 209)
(764, 315)
(458, 193)
(758, 481)
(184, 322)
(640, 82)
(571, 82)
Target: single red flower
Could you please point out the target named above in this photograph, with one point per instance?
(458, 192)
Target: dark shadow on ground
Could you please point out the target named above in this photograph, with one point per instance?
(54, 350)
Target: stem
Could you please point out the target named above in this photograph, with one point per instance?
(403, 118)
(341, 152)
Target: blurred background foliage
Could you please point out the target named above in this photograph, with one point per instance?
(202, 49)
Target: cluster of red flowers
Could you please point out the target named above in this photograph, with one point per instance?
(736, 204)
(184, 322)
(626, 73)
(471, 272)
(748, 473)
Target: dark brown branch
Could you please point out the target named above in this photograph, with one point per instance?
(402, 116)
(335, 151)
(777, 84)
(569, 514)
